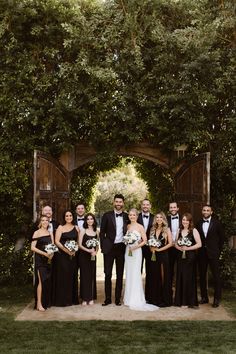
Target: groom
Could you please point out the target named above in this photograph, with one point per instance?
(113, 228)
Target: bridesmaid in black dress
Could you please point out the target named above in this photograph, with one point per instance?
(160, 277)
(42, 266)
(186, 282)
(65, 276)
(88, 287)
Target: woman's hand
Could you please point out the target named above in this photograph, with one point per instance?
(49, 256)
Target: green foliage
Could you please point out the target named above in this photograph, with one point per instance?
(122, 180)
(115, 72)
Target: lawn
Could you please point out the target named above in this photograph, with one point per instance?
(111, 337)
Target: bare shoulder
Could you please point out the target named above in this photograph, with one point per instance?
(36, 234)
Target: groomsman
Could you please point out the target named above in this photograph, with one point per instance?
(80, 213)
(145, 218)
(212, 237)
(113, 228)
(174, 222)
(53, 224)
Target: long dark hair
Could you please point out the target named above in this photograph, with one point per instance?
(64, 216)
(190, 219)
(85, 225)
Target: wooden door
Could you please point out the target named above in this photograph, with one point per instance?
(51, 185)
(192, 185)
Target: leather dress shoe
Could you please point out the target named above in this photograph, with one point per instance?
(106, 302)
(216, 303)
(118, 303)
(203, 301)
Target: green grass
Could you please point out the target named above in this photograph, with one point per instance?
(111, 337)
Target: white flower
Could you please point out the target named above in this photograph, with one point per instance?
(71, 245)
(153, 242)
(131, 237)
(51, 248)
(92, 243)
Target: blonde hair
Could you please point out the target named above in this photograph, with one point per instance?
(164, 227)
(40, 220)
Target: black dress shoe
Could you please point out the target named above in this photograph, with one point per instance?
(203, 301)
(118, 303)
(106, 302)
(216, 303)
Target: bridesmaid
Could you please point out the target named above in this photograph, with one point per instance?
(186, 283)
(42, 266)
(88, 287)
(65, 277)
(160, 275)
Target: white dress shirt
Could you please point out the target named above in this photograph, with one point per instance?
(205, 226)
(119, 228)
(145, 221)
(80, 222)
(174, 226)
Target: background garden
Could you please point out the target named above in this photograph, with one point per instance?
(114, 72)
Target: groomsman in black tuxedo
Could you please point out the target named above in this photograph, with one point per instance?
(174, 222)
(145, 218)
(113, 228)
(80, 213)
(212, 237)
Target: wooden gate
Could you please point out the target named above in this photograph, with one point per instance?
(51, 185)
(192, 185)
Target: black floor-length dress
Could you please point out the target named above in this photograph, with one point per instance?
(65, 274)
(88, 287)
(42, 266)
(160, 291)
(186, 279)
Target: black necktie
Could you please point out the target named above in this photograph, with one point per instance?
(206, 221)
(118, 215)
(174, 217)
(145, 216)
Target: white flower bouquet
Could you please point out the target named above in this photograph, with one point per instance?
(72, 246)
(130, 238)
(184, 241)
(154, 242)
(50, 249)
(92, 243)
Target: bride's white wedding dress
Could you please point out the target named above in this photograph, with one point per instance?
(134, 294)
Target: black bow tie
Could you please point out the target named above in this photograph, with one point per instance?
(50, 221)
(206, 221)
(174, 217)
(80, 219)
(118, 215)
(145, 216)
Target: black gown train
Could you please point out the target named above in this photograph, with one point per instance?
(88, 287)
(43, 267)
(65, 274)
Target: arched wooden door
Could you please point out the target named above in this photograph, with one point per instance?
(51, 185)
(192, 185)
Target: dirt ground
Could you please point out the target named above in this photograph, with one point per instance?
(122, 313)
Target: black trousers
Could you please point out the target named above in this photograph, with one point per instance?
(173, 253)
(116, 254)
(214, 265)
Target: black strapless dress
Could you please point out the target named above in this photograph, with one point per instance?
(88, 285)
(65, 274)
(186, 278)
(160, 285)
(43, 267)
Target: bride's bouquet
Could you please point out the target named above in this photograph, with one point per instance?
(184, 241)
(130, 238)
(50, 249)
(154, 242)
(72, 246)
(92, 243)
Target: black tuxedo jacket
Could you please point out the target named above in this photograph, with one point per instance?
(108, 230)
(150, 222)
(214, 240)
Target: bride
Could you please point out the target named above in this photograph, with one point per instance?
(134, 294)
